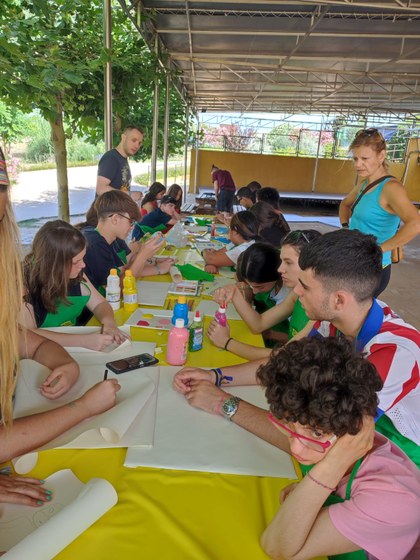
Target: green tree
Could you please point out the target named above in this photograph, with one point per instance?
(12, 125)
(51, 58)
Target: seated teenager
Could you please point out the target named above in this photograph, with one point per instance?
(269, 195)
(289, 309)
(57, 292)
(339, 274)
(360, 493)
(176, 192)
(150, 200)
(106, 247)
(245, 197)
(166, 215)
(272, 225)
(243, 232)
(25, 434)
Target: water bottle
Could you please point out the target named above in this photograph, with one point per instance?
(220, 315)
(195, 341)
(129, 292)
(113, 290)
(176, 352)
(180, 310)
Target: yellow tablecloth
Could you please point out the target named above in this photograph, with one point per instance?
(171, 515)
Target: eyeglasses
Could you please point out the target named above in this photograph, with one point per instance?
(295, 236)
(314, 444)
(259, 287)
(132, 222)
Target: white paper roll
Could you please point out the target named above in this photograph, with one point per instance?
(175, 274)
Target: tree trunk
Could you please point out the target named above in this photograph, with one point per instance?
(60, 154)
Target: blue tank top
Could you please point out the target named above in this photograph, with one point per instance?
(370, 217)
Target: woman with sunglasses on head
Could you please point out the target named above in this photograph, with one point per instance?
(150, 200)
(380, 209)
(243, 232)
(57, 292)
(290, 307)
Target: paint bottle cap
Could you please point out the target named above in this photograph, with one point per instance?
(182, 299)
(179, 323)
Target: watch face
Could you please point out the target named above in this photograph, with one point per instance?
(230, 406)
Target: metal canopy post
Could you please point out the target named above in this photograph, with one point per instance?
(107, 29)
(155, 120)
(197, 147)
(187, 118)
(166, 132)
(317, 159)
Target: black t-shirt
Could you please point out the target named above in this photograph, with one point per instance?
(114, 167)
(101, 256)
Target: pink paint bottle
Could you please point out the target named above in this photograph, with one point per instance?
(176, 352)
(220, 315)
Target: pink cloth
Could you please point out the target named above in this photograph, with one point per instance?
(383, 513)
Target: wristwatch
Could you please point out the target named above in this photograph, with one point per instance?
(230, 407)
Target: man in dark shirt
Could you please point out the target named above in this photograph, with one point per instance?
(224, 188)
(165, 215)
(113, 169)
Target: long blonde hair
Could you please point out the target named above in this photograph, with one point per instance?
(10, 304)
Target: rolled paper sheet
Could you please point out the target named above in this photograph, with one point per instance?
(175, 274)
(25, 463)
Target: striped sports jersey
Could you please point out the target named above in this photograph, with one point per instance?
(393, 346)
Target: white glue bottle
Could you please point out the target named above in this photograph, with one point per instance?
(113, 290)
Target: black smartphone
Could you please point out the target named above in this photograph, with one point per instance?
(134, 362)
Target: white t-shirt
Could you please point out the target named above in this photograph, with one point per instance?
(233, 251)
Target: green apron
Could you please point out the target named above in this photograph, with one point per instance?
(410, 448)
(298, 320)
(334, 499)
(265, 299)
(66, 315)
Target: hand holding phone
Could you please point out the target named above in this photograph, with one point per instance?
(132, 363)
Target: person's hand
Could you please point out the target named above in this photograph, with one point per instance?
(165, 265)
(98, 341)
(101, 397)
(152, 245)
(60, 380)
(225, 294)
(23, 490)
(117, 335)
(137, 196)
(211, 268)
(206, 396)
(217, 334)
(348, 449)
(183, 378)
(287, 491)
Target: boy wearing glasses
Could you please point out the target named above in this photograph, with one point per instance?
(106, 247)
(360, 494)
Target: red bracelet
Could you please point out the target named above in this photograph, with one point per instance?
(308, 474)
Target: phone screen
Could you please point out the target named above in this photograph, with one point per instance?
(133, 362)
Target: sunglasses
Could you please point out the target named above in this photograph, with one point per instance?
(311, 443)
(367, 132)
(296, 235)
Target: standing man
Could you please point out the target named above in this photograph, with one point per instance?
(113, 169)
(224, 189)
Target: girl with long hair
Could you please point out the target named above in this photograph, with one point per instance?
(57, 291)
(150, 200)
(243, 232)
(175, 191)
(290, 307)
(272, 225)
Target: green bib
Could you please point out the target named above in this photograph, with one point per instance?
(410, 448)
(298, 320)
(334, 499)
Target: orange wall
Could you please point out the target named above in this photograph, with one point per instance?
(289, 173)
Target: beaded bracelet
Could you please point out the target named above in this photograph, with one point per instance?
(158, 268)
(227, 342)
(308, 474)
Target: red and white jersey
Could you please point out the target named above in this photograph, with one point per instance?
(393, 346)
